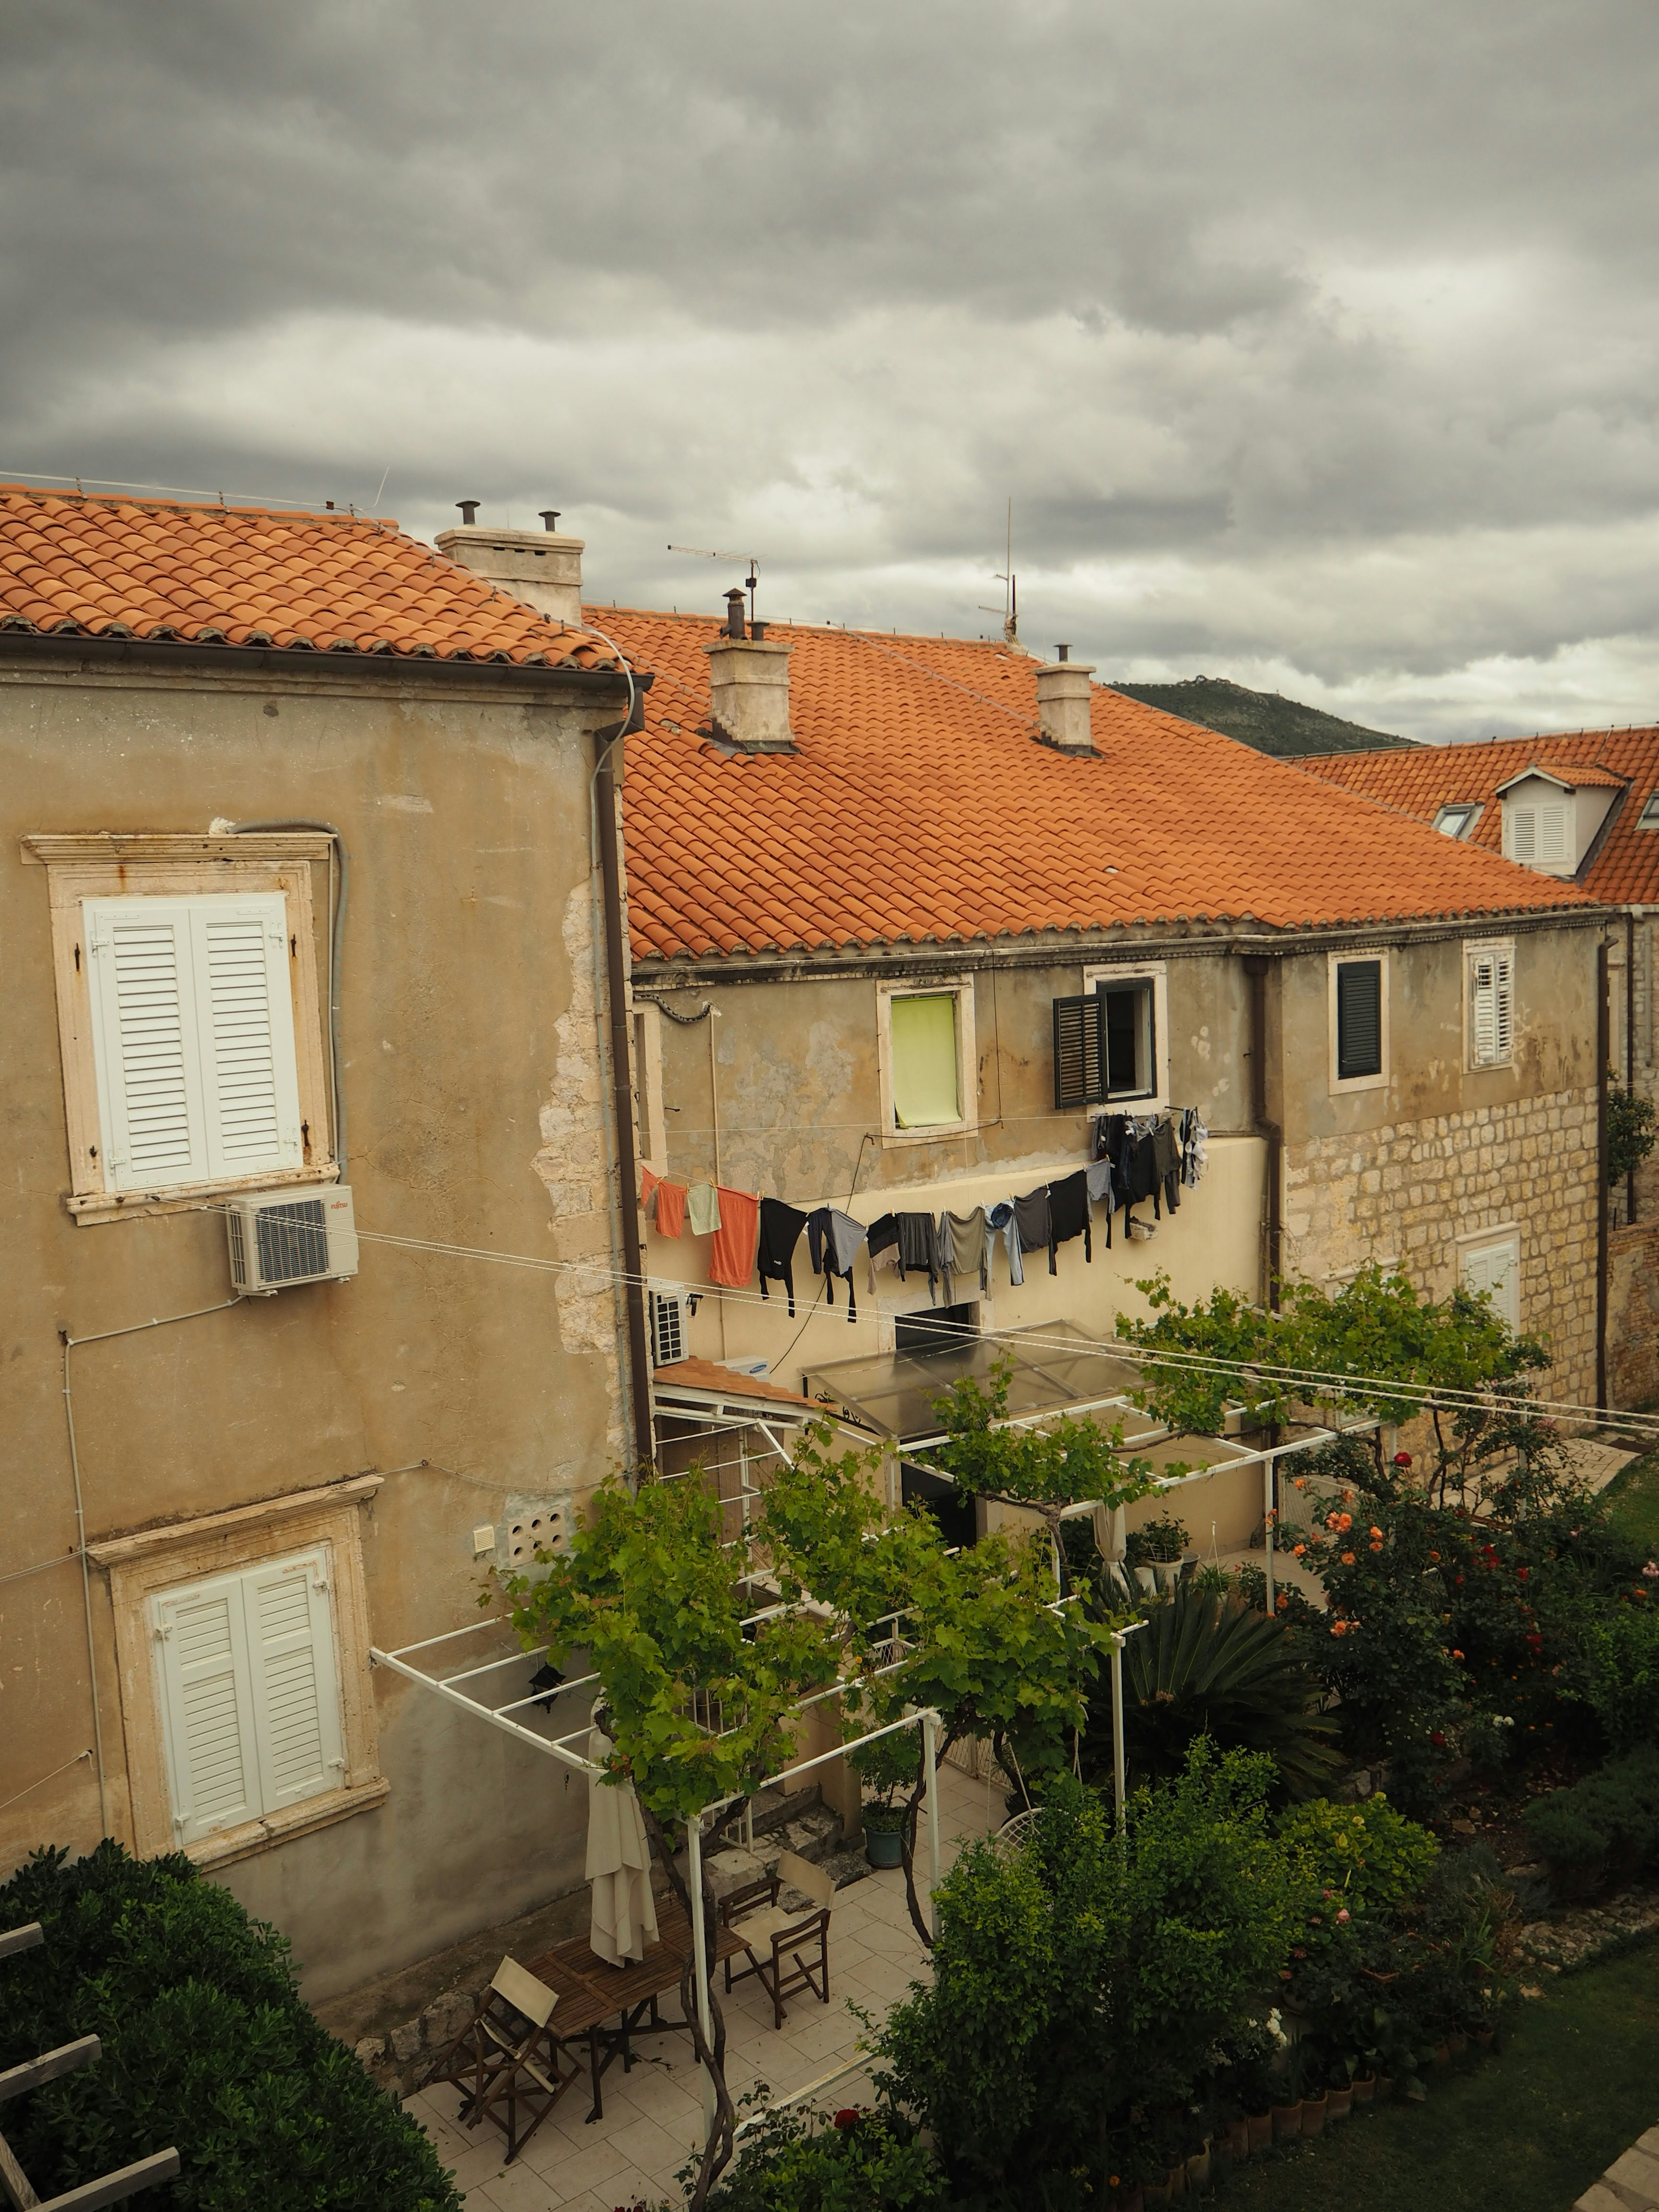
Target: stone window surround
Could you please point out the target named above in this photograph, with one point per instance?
(1341, 1084)
(1156, 973)
(140, 1565)
(155, 864)
(961, 988)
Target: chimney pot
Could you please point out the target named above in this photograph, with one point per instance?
(1064, 694)
(734, 613)
(469, 512)
(550, 517)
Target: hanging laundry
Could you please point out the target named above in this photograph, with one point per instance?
(882, 1237)
(833, 1239)
(732, 1255)
(702, 1209)
(1035, 1224)
(671, 1208)
(964, 1248)
(1068, 1211)
(919, 1249)
(648, 1182)
(1001, 1220)
(1098, 1174)
(1194, 1147)
(780, 1227)
(1166, 1162)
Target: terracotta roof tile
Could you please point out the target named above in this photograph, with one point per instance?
(1623, 868)
(164, 569)
(917, 809)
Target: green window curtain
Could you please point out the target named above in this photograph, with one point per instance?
(924, 1032)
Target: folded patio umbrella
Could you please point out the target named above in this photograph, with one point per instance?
(618, 1862)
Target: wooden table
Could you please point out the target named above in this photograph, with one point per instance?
(591, 1992)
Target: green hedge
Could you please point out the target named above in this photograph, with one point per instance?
(205, 2045)
(1612, 1814)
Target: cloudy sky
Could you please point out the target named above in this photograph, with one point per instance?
(1315, 345)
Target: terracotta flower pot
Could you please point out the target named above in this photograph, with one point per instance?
(1384, 2088)
(1177, 2179)
(1457, 2044)
(1260, 2129)
(1443, 2054)
(1339, 2104)
(1132, 2199)
(1287, 2123)
(1198, 2169)
(1314, 2110)
(1363, 2090)
(1155, 2192)
(1483, 2036)
(1238, 2138)
(1222, 2161)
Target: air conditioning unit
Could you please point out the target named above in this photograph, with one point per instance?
(667, 1328)
(278, 1241)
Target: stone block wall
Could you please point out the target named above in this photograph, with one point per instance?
(1633, 1314)
(1408, 1192)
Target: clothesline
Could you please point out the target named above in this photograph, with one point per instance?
(1136, 1157)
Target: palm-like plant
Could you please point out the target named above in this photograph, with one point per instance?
(1209, 1665)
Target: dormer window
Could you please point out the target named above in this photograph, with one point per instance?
(1649, 817)
(1538, 834)
(1457, 820)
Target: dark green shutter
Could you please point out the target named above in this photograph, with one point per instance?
(1080, 1052)
(1358, 1019)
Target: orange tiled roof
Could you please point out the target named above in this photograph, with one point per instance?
(76, 565)
(1623, 868)
(917, 809)
(1575, 778)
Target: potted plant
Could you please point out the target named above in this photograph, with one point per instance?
(1162, 1543)
(887, 1769)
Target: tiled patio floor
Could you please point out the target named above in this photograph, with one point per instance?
(654, 2115)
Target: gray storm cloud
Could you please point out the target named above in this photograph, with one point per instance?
(1314, 346)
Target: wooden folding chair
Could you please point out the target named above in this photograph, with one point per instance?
(506, 2057)
(789, 1951)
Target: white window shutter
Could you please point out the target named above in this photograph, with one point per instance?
(1552, 833)
(244, 1016)
(209, 1715)
(296, 1691)
(1483, 1010)
(1523, 833)
(1495, 1268)
(145, 1043)
(1503, 1003)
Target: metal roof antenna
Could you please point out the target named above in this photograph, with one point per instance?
(1010, 608)
(750, 582)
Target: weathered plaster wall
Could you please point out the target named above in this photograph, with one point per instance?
(475, 1119)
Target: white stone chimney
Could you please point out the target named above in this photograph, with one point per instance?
(749, 679)
(1063, 702)
(541, 566)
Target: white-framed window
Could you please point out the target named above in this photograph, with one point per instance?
(1489, 1004)
(1490, 1260)
(1649, 817)
(192, 1035)
(250, 1694)
(1359, 1020)
(1540, 835)
(1458, 819)
(927, 1059)
(1133, 1003)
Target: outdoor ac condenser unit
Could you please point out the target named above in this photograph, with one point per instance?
(278, 1241)
(667, 1328)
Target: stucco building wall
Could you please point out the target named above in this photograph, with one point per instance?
(475, 1120)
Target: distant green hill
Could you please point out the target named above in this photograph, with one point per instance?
(1261, 719)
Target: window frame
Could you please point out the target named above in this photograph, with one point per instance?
(1475, 1241)
(163, 865)
(961, 988)
(1340, 1085)
(1114, 974)
(1469, 810)
(1648, 816)
(1479, 949)
(156, 1562)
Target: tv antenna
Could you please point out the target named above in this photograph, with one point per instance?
(1010, 608)
(749, 583)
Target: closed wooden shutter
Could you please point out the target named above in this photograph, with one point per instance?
(1553, 841)
(296, 1703)
(251, 1694)
(193, 1038)
(1358, 1019)
(209, 1712)
(1496, 1270)
(1523, 833)
(1080, 1051)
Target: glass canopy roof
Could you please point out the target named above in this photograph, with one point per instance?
(1054, 1367)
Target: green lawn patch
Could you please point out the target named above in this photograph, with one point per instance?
(1577, 2082)
(1633, 1500)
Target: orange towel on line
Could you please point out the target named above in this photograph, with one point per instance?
(671, 1208)
(732, 1254)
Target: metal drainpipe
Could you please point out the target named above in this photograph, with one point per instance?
(1630, 1045)
(1256, 965)
(622, 1102)
(1602, 1071)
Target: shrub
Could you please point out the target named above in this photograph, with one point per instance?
(1613, 1812)
(865, 2162)
(205, 2045)
(1209, 1666)
(1368, 1856)
(1618, 1670)
(1165, 1538)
